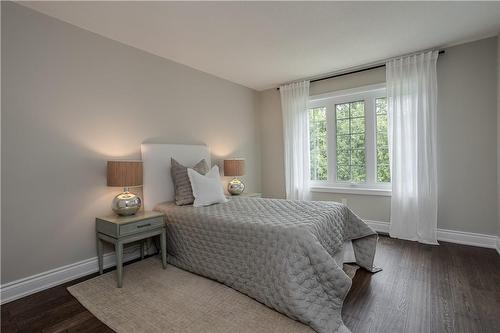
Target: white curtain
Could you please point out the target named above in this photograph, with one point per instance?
(412, 113)
(294, 100)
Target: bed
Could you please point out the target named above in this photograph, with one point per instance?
(284, 254)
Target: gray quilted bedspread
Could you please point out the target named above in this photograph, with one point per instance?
(278, 252)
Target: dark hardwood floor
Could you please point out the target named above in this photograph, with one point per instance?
(423, 288)
(426, 288)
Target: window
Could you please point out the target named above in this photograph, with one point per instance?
(348, 139)
(317, 136)
(383, 172)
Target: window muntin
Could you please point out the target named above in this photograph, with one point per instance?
(353, 139)
(317, 143)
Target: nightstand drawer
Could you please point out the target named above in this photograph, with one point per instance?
(144, 225)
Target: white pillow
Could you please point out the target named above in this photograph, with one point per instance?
(207, 189)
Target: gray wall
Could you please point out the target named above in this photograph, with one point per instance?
(271, 133)
(72, 101)
(467, 148)
(467, 136)
(498, 136)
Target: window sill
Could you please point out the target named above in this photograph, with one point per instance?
(352, 190)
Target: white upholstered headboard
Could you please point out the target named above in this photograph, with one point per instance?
(158, 186)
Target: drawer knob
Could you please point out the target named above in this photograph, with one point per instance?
(144, 225)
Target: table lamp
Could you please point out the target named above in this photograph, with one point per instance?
(125, 174)
(235, 167)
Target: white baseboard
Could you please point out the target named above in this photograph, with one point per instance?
(32, 284)
(467, 238)
(378, 226)
(452, 236)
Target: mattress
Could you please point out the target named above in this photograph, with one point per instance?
(285, 254)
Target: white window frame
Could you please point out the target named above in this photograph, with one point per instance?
(368, 94)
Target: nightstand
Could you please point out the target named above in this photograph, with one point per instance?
(246, 195)
(250, 195)
(120, 230)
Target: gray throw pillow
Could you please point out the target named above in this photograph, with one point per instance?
(182, 185)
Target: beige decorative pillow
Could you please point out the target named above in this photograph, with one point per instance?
(182, 185)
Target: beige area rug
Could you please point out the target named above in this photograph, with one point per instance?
(173, 300)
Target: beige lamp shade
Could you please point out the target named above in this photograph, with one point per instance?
(124, 173)
(234, 167)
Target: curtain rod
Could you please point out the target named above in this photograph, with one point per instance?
(352, 72)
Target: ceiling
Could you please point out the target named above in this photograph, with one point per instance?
(263, 44)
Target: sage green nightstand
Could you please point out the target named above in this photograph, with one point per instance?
(120, 230)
